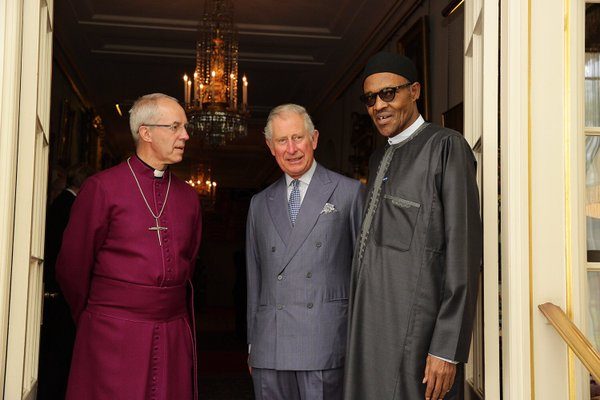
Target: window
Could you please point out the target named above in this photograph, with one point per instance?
(592, 170)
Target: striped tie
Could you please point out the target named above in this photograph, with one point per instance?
(294, 202)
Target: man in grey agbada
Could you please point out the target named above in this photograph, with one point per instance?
(415, 270)
(300, 237)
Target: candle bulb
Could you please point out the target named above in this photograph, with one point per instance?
(189, 92)
(185, 80)
(195, 86)
(245, 93)
(231, 86)
(212, 86)
(201, 87)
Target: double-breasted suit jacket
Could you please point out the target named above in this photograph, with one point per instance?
(298, 276)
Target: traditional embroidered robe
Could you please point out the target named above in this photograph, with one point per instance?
(415, 269)
(129, 296)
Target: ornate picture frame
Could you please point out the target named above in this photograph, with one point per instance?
(414, 44)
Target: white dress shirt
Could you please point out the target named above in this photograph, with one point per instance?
(408, 132)
(304, 182)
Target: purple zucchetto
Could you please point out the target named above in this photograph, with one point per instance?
(385, 61)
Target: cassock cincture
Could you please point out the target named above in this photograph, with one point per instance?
(156, 228)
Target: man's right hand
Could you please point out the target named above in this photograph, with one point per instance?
(439, 377)
(249, 367)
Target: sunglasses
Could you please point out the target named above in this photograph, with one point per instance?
(386, 94)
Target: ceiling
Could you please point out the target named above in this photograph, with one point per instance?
(300, 51)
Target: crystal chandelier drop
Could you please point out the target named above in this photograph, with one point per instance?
(211, 97)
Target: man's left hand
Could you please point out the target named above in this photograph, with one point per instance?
(439, 377)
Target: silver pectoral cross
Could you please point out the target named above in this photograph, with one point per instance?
(158, 228)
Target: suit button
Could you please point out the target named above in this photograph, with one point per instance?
(273, 249)
(318, 244)
(309, 275)
(279, 277)
(309, 305)
(280, 306)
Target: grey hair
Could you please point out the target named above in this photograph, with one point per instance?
(145, 110)
(287, 109)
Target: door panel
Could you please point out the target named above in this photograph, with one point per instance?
(26, 289)
(481, 131)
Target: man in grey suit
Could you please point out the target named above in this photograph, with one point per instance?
(300, 238)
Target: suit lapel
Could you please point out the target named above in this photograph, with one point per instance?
(277, 205)
(319, 191)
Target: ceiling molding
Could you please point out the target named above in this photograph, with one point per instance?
(190, 53)
(308, 30)
(244, 58)
(135, 22)
(142, 54)
(137, 26)
(243, 32)
(185, 25)
(130, 19)
(151, 49)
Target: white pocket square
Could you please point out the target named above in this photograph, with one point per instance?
(328, 208)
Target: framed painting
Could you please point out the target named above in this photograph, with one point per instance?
(453, 118)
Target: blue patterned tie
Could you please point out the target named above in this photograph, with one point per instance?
(294, 202)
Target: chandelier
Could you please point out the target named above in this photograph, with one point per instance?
(201, 181)
(211, 96)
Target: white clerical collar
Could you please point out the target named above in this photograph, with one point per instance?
(157, 172)
(304, 178)
(71, 191)
(408, 132)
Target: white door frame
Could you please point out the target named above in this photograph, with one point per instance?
(29, 154)
(481, 124)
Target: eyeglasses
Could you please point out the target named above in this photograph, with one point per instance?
(174, 127)
(386, 94)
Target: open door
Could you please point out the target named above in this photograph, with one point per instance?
(26, 83)
(481, 131)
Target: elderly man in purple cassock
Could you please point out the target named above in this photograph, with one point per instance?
(125, 266)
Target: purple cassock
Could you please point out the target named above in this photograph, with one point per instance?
(129, 288)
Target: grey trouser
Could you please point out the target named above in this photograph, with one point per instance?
(270, 384)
